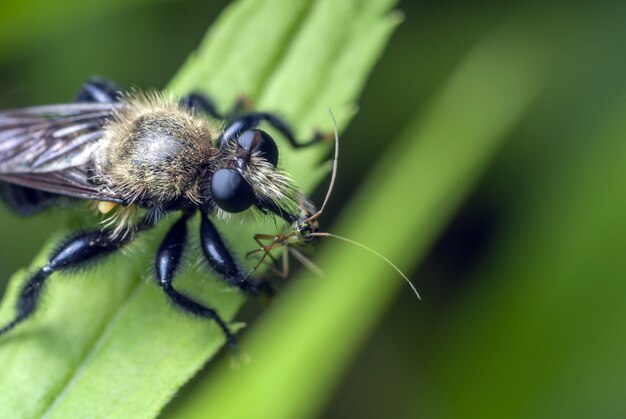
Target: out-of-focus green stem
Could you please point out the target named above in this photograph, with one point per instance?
(307, 340)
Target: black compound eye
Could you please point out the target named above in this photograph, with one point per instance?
(230, 191)
(255, 140)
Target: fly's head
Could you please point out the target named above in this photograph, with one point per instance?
(244, 175)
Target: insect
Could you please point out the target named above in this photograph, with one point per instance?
(305, 232)
(140, 156)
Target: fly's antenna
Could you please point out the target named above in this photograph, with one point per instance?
(334, 172)
(374, 252)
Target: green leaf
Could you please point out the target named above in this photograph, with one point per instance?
(304, 343)
(108, 344)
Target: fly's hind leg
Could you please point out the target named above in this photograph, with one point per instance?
(76, 251)
(98, 90)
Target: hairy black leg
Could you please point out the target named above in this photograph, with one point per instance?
(98, 90)
(252, 120)
(74, 252)
(223, 263)
(168, 259)
(203, 103)
(25, 201)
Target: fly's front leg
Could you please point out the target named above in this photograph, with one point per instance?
(252, 120)
(168, 259)
(223, 263)
(74, 252)
(239, 124)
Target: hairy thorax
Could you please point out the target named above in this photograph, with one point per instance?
(156, 151)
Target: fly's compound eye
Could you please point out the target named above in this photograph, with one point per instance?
(230, 191)
(255, 140)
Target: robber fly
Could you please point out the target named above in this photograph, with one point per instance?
(139, 156)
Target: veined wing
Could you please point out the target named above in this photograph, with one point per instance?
(51, 147)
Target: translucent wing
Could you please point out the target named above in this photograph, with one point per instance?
(50, 148)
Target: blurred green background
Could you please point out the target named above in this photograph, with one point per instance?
(522, 312)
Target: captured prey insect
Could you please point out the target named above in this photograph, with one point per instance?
(305, 232)
(140, 156)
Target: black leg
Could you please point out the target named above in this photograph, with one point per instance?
(74, 252)
(223, 263)
(204, 104)
(239, 124)
(168, 258)
(25, 201)
(201, 103)
(98, 90)
(252, 120)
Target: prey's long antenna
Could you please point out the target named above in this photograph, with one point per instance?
(369, 249)
(334, 173)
